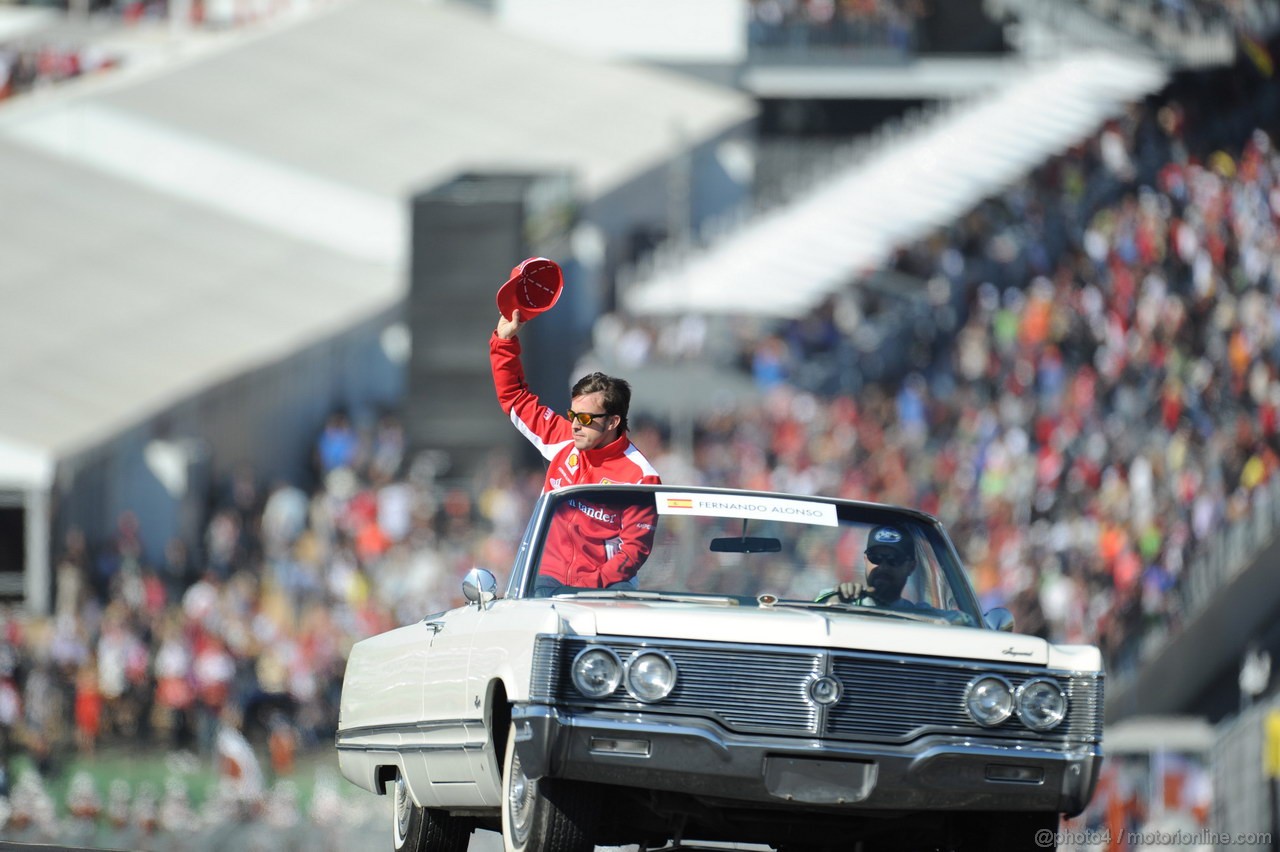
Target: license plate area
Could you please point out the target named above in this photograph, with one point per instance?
(819, 782)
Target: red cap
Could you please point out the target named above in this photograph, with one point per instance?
(534, 286)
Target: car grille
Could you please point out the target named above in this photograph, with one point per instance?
(764, 689)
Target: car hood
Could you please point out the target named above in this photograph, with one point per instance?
(815, 628)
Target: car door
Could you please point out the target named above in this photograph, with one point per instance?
(450, 720)
(473, 649)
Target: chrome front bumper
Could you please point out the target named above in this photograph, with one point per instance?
(693, 756)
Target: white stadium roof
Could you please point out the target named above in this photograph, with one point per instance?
(166, 229)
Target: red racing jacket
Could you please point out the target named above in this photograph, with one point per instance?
(587, 546)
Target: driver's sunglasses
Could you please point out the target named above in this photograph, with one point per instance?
(586, 418)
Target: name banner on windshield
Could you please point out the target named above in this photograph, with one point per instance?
(759, 508)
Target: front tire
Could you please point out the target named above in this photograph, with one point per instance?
(547, 814)
(416, 829)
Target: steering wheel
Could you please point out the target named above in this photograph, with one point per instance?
(861, 593)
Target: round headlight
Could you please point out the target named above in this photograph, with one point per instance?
(989, 700)
(650, 676)
(1041, 704)
(597, 672)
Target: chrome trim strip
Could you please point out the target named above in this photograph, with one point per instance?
(626, 726)
(409, 728)
(401, 749)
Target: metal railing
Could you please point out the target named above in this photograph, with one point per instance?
(795, 169)
(1241, 791)
(1191, 37)
(795, 34)
(1214, 565)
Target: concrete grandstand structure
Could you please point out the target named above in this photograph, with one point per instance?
(204, 257)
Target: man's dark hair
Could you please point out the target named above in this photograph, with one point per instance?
(617, 394)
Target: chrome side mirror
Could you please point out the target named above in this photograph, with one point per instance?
(999, 619)
(479, 586)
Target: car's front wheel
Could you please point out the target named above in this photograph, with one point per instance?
(417, 829)
(547, 814)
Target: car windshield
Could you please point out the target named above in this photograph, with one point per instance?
(742, 548)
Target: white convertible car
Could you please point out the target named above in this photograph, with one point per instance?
(756, 681)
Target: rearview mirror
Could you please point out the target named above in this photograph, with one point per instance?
(745, 544)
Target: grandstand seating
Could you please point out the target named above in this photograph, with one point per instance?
(894, 190)
(1184, 577)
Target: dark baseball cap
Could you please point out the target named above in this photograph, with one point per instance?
(534, 286)
(889, 545)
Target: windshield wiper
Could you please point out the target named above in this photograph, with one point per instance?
(866, 610)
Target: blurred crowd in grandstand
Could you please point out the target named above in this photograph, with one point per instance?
(112, 813)
(1085, 386)
(1240, 15)
(1098, 392)
(796, 28)
(26, 66)
(238, 650)
(809, 29)
(803, 26)
(88, 40)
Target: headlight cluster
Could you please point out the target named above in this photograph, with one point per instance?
(1039, 703)
(649, 675)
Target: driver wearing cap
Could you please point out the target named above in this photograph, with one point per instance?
(890, 558)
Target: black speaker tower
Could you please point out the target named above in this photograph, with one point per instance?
(467, 235)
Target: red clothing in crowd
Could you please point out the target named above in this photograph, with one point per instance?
(600, 545)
